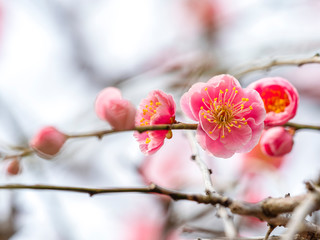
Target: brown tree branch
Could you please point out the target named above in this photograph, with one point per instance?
(294, 62)
(270, 210)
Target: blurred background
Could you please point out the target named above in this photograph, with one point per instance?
(56, 55)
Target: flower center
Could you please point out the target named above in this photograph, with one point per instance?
(223, 112)
(275, 100)
(148, 112)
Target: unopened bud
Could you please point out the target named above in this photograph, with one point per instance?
(276, 141)
(48, 142)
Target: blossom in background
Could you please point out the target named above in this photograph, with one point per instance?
(111, 107)
(48, 142)
(171, 167)
(157, 108)
(276, 141)
(230, 117)
(13, 168)
(280, 99)
(148, 225)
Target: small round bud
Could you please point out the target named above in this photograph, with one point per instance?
(48, 142)
(14, 167)
(111, 107)
(276, 141)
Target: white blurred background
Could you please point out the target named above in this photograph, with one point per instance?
(56, 55)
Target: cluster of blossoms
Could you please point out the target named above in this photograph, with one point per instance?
(231, 119)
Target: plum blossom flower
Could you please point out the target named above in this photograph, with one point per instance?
(169, 168)
(111, 107)
(276, 141)
(48, 142)
(157, 108)
(280, 99)
(230, 117)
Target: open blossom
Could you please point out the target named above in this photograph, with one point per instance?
(111, 107)
(48, 142)
(157, 108)
(230, 117)
(276, 141)
(280, 99)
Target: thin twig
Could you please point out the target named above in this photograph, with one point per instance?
(270, 229)
(294, 62)
(230, 229)
(140, 129)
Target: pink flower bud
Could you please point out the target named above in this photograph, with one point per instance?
(48, 142)
(280, 99)
(13, 167)
(276, 141)
(111, 107)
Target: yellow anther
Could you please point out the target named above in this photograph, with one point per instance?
(208, 111)
(227, 90)
(205, 116)
(244, 99)
(158, 103)
(202, 113)
(219, 126)
(222, 136)
(243, 119)
(155, 111)
(215, 99)
(221, 91)
(231, 125)
(236, 91)
(151, 103)
(229, 130)
(245, 123)
(141, 124)
(250, 107)
(148, 140)
(234, 88)
(210, 132)
(236, 122)
(147, 106)
(239, 126)
(206, 89)
(202, 99)
(201, 107)
(142, 119)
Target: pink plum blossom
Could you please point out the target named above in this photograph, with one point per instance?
(230, 117)
(171, 167)
(48, 142)
(148, 225)
(14, 168)
(276, 141)
(157, 108)
(280, 99)
(111, 107)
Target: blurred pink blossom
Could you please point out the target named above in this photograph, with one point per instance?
(171, 167)
(48, 142)
(280, 99)
(157, 108)
(111, 107)
(231, 118)
(144, 226)
(14, 168)
(276, 141)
